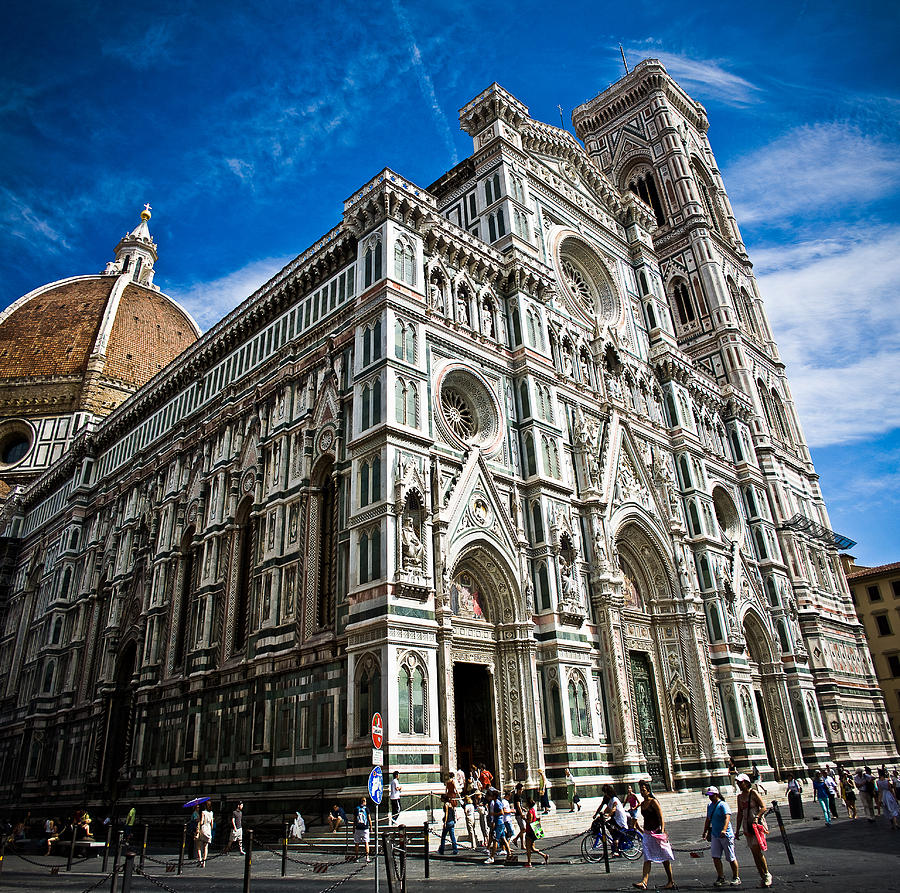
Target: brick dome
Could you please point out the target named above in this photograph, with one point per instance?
(102, 330)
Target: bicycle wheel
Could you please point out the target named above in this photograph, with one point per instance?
(591, 847)
(632, 845)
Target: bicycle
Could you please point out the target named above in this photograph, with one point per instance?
(631, 844)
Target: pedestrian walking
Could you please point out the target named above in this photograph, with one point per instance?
(498, 826)
(751, 823)
(204, 834)
(485, 777)
(469, 815)
(848, 794)
(237, 830)
(478, 801)
(887, 798)
(718, 831)
(543, 796)
(361, 827)
(833, 791)
(396, 789)
(655, 841)
(756, 779)
(532, 823)
(631, 806)
(518, 805)
(795, 797)
(449, 825)
(820, 792)
(865, 784)
(572, 792)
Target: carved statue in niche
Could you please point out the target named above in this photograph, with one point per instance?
(683, 576)
(462, 306)
(413, 550)
(487, 319)
(600, 559)
(683, 718)
(529, 597)
(436, 297)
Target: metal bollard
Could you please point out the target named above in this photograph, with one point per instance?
(113, 883)
(128, 871)
(603, 834)
(284, 846)
(144, 844)
(181, 851)
(106, 848)
(248, 860)
(787, 846)
(425, 849)
(2, 853)
(71, 848)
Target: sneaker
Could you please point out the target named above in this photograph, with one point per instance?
(736, 882)
(489, 861)
(368, 860)
(767, 880)
(719, 882)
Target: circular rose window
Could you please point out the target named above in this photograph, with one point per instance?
(468, 410)
(586, 280)
(16, 439)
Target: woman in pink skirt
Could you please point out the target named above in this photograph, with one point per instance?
(656, 842)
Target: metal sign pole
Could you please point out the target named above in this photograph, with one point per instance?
(376, 848)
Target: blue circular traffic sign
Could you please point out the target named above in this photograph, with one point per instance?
(376, 785)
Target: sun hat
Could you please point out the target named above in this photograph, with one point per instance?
(743, 777)
(712, 789)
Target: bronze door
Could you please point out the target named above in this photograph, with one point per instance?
(649, 737)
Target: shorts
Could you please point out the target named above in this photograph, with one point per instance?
(237, 835)
(520, 820)
(500, 832)
(360, 835)
(722, 847)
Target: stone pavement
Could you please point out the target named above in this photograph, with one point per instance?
(848, 857)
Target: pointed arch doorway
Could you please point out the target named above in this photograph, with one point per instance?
(763, 681)
(491, 668)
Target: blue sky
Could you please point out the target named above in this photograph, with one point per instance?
(246, 125)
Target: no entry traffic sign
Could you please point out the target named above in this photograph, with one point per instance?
(377, 731)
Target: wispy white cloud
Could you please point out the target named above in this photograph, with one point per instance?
(833, 305)
(810, 169)
(705, 79)
(209, 301)
(426, 84)
(22, 219)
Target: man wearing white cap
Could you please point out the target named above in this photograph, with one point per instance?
(720, 834)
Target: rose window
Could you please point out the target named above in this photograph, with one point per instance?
(577, 283)
(458, 413)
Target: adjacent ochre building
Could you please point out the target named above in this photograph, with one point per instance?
(511, 459)
(876, 594)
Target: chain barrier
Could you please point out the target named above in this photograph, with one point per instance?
(102, 880)
(154, 881)
(25, 858)
(319, 867)
(344, 880)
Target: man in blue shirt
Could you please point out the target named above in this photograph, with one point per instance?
(720, 834)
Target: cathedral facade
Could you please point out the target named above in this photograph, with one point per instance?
(511, 459)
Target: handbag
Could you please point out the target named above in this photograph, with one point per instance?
(760, 833)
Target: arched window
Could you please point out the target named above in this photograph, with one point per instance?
(734, 721)
(694, 519)
(800, 717)
(772, 592)
(684, 304)
(672, 410)
(186, 590)
(524, 402)
(703, 572)
(327, 540)
(781, 421)
(412, 702)
(735, 440)
(713, 622)
(643, 184)
(556, 710)
(48, 678)
(364, 483)
(406, 402)
(749, 713)
(66, 583)
(813, 712)
(368, 696)
(537, 521)
(578, 712)
(760, 539)
(783, 637)
(376, 340)
(372, 263)
(492, 189)
(684, 469)
(543, 587)
(246, 533)
(404, 262)
(363, 558)
(56, 633)
(530, 458)
(496, 225)
(365, 408)
(405, 341)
